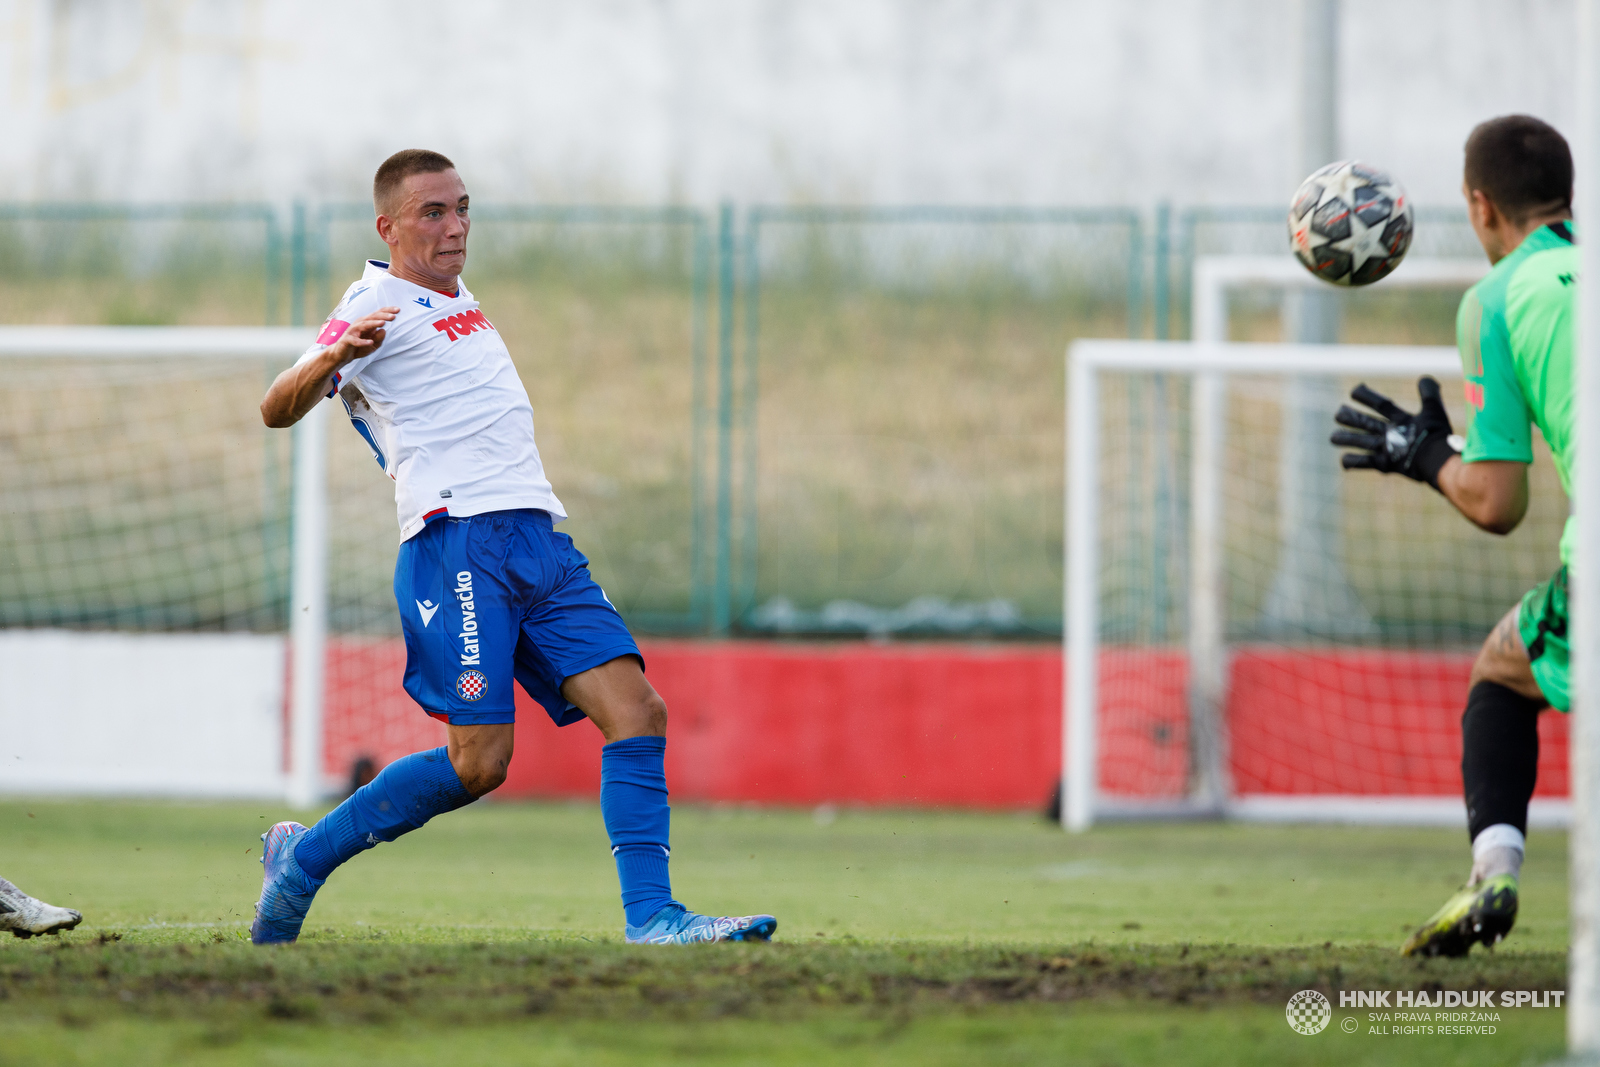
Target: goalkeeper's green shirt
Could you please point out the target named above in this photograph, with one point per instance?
(1515, 329)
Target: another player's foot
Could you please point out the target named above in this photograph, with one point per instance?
(25, 916)
(1479, 913)
(677, 925)
(286, 890)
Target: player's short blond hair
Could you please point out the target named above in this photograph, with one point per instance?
(400, 166)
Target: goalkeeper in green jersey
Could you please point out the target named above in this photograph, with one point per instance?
(1515, 332)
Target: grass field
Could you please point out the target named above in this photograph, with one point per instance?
(493, 936)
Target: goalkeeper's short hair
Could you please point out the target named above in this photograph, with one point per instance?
(1522, 164)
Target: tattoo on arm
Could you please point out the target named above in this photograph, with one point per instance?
(1507, 641)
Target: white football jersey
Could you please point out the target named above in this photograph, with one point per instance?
(439, 403)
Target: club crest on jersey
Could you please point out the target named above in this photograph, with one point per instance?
(458, 326)
(471, 685)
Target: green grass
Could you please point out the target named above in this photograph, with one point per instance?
(904, 938)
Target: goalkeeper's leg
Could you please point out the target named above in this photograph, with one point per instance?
(1499, 767)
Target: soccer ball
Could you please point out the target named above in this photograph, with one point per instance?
(1350, 224)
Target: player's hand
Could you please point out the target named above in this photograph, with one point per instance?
(362, 337)
(1416, 446)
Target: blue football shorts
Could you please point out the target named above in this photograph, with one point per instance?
(491, 598)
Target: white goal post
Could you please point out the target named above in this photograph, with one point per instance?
(1208, 361)
(1583, 1004)
(1207, 364)
(170, 667)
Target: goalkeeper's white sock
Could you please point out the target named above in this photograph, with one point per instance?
(1497, 850)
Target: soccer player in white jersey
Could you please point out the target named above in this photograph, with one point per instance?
(490, 595)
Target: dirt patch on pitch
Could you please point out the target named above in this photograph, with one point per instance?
(84, 979)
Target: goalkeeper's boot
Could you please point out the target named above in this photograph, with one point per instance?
(1479, 913)
(25, 916)
(286, 890)
(677, 925)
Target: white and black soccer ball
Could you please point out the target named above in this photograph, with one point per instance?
(1350, 224)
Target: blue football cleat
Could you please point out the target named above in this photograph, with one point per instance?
(286, 890)
(677, 925)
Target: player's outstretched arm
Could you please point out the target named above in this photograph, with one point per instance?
(1492, 494)
(298, 389)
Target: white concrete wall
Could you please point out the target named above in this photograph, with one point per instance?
(992, 101)
(141, 714)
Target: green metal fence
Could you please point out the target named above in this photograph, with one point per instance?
(865, 439)
(899, 419)
(136, 264)
(141, 494)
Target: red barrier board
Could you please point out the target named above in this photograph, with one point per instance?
(963, 725)
(1360, 723)
(937, 725)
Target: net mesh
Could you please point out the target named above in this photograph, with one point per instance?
(1351, 621)
(141, 495)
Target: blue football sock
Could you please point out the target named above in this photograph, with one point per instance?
(633, 801)
(403, 796)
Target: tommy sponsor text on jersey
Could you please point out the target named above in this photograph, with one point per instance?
(440, 404)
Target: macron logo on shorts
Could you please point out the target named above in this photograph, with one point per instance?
(427, 609)
(469, 619)
(458, 326)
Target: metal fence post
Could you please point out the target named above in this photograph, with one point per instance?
(297, 266)
(700, 284)
(274, 265)
(722, 592)
(1162, 284)
(1135, 277)
(749, 531)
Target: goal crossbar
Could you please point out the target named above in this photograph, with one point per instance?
(154, 342)
(1208, 364)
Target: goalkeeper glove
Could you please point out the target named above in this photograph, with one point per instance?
(1399, 443)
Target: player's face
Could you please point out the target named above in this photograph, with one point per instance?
(427, 234)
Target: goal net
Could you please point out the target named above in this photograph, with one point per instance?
(144, 559)
(1240, 642)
